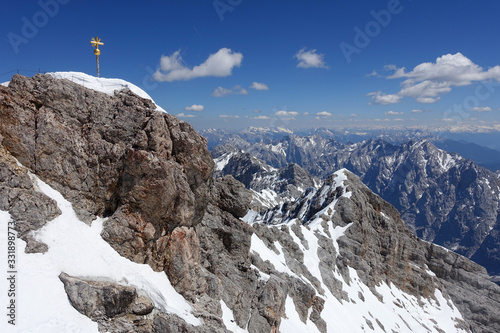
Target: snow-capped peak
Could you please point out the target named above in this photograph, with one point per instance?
(107, 86)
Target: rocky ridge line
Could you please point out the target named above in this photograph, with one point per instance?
(127, 171)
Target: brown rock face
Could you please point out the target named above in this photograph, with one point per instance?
(114, 156)
(231, 196)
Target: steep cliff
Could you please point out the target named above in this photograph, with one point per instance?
(443, 197)
(137, 236)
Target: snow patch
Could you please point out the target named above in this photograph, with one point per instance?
(292, 323)
(79, 250)
(228, 319)
(222, 161)
(107, 86)
(277, 260)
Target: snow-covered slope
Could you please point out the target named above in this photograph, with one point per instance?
(350, 304)
(107, 86)
(361, 309)
(335, 258)
(270, 186)
(77, 249)
(443, 197)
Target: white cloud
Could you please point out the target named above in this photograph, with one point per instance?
(384, 99)
(221, 92)
(373, 73)
(323, 114)
(393, 113)
(261, 118)
(420, 111)
(219, 64)
(259, 86)
(428, 81)
(353, 115)
(194, 107)
(286, 113)
(310, 59)
(482, 109)
(228, 116)
(182, 115)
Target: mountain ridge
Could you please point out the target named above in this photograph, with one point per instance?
(350, 265)
(442, 196)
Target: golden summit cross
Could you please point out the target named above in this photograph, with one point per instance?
(96, 41)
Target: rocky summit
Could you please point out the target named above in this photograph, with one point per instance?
(125, 229)
(443, 197)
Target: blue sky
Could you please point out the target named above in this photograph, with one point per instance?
(295, 63)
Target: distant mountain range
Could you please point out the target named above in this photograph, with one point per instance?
(443, 197)
(483, 156)
(121, 224)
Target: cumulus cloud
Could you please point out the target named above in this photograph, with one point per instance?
(393, 113)
(182, 115)
(194, 107)
(310, 59)
(283, 113)
(221, 92)
(353, 115)
(482, 109)
(323, 114)
(420, 111)
(259, 86)
(219, 64)
(427, 82)
(228, 116)
(384, 99)
(261, 118)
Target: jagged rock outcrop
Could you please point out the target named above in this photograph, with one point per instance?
(118, 308)
(230, 196)
(270, 186)
(99, 300)
(443, 197)
(337, 258)
(380, 248)
(29, 208)
(107, 155)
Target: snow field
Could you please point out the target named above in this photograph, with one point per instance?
(363, 311)
(78, 250)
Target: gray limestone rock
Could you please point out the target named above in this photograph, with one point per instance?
(150, 174)
(106, 155)
(443, 197)
(380, 248)
(98, 300)
(231, 196)
(29, 208)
